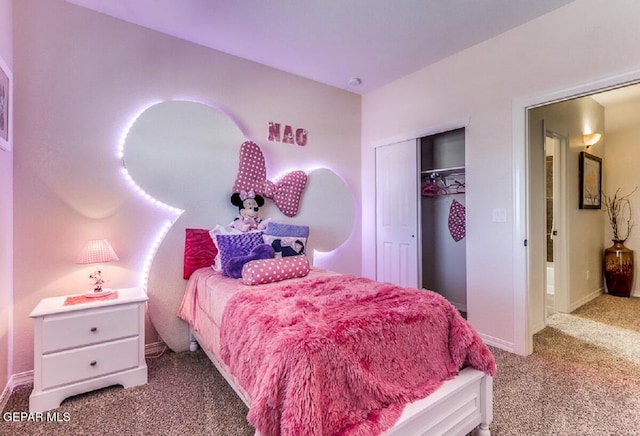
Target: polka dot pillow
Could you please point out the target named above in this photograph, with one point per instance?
(263, 271)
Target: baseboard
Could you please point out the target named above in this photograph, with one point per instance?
(537, 328)
(595, 294)
(26, 378)
(498, 343)
(16, 380)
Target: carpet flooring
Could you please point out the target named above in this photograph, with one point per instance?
(582, 379)
(185, 395)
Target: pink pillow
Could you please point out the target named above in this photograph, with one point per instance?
(258, 272)
(199, 250)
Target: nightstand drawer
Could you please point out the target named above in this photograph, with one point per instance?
(89, 362)
(66, 331)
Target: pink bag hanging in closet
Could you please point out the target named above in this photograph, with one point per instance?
(457, 221)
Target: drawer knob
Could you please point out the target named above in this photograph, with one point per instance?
(94, 329)
(93, 363)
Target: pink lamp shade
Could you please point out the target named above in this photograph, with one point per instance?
(97, 251)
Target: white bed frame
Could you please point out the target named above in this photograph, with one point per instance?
(460, 406)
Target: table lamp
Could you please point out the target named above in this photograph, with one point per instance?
(97, 251)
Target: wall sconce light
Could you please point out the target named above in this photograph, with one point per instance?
(97, 251)
(591, 139)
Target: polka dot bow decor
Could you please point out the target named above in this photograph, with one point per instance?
(252, 176)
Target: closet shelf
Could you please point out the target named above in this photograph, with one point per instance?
(443, 170)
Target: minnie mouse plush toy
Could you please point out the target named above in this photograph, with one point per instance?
(249, 204)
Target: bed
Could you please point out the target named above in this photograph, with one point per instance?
(327, 353)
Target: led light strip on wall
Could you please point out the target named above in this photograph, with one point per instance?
(151, 252)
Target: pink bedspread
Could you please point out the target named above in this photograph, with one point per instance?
(342, 354)
(207, 294)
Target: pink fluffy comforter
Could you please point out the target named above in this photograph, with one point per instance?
(342, 354)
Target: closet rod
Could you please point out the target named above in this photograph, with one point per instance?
(442, 170)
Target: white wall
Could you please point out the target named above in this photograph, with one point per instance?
(585, 41)
(6, 214)
(82, 78)
(621, 141)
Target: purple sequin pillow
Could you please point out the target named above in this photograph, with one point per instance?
(230, 246)
(233, 268)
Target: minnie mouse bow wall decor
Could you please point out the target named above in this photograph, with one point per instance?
(252, 177)
(248, 204)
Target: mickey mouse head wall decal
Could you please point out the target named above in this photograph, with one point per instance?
(185, 155)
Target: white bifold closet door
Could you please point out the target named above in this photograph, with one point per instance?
(397, 184)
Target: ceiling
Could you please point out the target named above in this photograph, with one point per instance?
(618, 95)
(332, 41)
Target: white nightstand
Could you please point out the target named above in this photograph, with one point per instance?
(82, 344)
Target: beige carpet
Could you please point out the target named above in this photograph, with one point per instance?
(185, 396)
(583, 379)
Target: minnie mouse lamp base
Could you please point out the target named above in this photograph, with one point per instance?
(97, 251)
(98, 281)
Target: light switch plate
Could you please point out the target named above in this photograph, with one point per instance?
(499, 215)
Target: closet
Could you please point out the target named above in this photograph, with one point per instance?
(443, 216)
(420, 214)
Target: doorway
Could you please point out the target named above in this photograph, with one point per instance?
(525, 230)
(549, 160)
(549, 233)
(421, 214)
(443, 216)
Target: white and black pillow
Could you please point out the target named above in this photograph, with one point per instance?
(286, 239)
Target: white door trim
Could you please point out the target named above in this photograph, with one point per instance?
(523, 343)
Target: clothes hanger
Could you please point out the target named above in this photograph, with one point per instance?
(435, 187)
(457, 187)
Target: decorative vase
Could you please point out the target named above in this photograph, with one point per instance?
(618, 269)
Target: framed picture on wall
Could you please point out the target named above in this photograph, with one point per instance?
(6, 104)
(590, 181)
